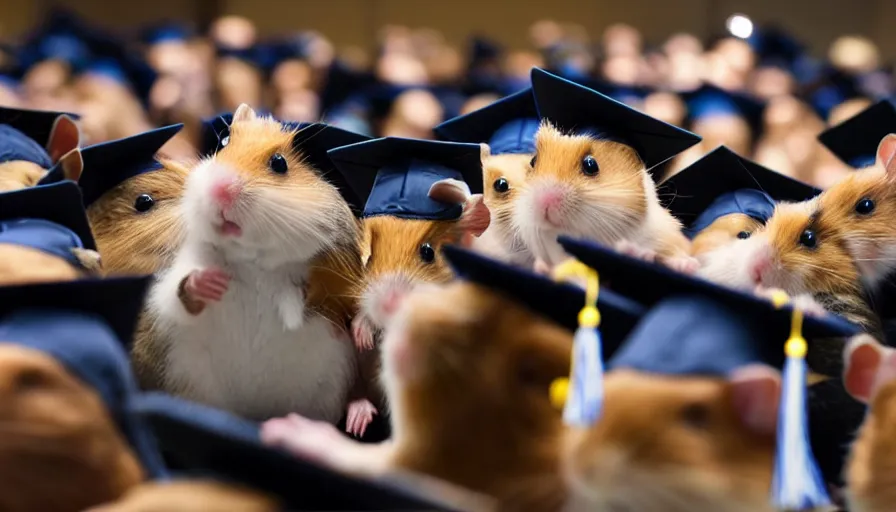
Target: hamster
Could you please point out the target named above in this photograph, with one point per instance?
(61, 449)
(228, 320)
(870, 377)
(137, 224)
(721, 232)
(457, 359)
(677, 444)
(189, 496)
(597, 189)
(61, 148)
(504, 176)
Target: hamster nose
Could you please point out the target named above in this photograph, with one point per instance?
(392, 300)
(761, 265)
(225, 191)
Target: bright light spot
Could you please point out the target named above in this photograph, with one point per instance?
(740, 26)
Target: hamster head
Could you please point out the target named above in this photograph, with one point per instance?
(581, 186)
(870, 377)
(678, 444)
(23, 265)
(863, 206)
(137, 225)
(399, 253)
(60, 449)
(257, 197)
(504, 176)
(722, 231)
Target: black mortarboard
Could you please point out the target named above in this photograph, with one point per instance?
(507, 125)
(215, 134)
(108, 164)
(855, 140)
(393, 175)
(343, 82)
(722, 183)
(36, 124)
(622, 93)
(50, 218)
(558, 302)
(86, 325)
(576, 108)
(709, 100)
(208, 442)
(834, 88)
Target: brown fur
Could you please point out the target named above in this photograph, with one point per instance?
(672, 444)
(190, 496)
(503, 236)
(22, 265)
(721, 231)
(59, 448)
(18, 174)
(871, 470)
(477, 411)
(135, 243)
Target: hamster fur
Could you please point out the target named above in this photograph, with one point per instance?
(62, 148)
(677, 444)
(722, 231)
(502, 240)
(617, 204)
(23, 265)
(467, 374)
(190, 496)
(229, 325)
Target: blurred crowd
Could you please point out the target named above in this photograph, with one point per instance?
(771, 99)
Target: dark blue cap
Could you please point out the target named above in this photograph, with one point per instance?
(208, 442)
(166, 32)
(343, 82)
(483, 48)
(709, 100)
(834, 88)
(393, 175)
(507, 125)
(649, 284)
(108, 164)
(16, 146)
(215, 134)
(855, 140)
(85, 325)
(257, 55)
(107, 68)
(775, 47)
(723, 182)
(36, 124)
(558, 302)
(622, 93)
(578, 109)
(50, 218)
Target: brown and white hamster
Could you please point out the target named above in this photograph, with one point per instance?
(230, 324)
(870, 377)
(596, 189)
(466, 372)
(189, 496)
(723, 231)
(677, 444)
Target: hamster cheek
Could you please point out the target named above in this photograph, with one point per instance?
(384, 295)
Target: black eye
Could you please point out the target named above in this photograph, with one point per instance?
(278, 164)
(427, 253)
(808, 239)
(589, 166)
(501, 185)
(865, 206)
(696, 416)
(144, 203)
(532, 162)
(743, 235)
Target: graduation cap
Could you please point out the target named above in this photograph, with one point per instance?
(36, 124)
(722, 183)
(166, 32)
(834, 88)
(775, 47)
(343, 82)
(50, 218)
(393, 175)
(256, 55)
(507, 125)
(108, 164)
(709, 100)
(623, 93)
(578, 109)
(85, 325)
(381, 96)
(215, 134)
(209, 442)
(855, 140)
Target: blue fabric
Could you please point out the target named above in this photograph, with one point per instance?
(507, 125)
(107, 68)
(16, 146)
(36, 124)
(47, 217)
(751, 202)
(167, 32)
(42, 235)
(402, 191)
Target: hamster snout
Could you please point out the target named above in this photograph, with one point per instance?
(384, 295)
(225, 191)
(550, 202)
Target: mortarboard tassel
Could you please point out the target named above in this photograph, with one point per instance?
(582, 394)
(797, 483)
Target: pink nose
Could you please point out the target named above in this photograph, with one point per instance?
(550, 199)
(760, 266)
(225, 192)
(391, 301)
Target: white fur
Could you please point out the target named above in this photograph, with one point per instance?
(730, 264)
(376, 292)
(254, 353)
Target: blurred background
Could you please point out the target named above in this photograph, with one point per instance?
(762, 76)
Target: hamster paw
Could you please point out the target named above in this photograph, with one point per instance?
(360, 414)
(207, 285)
(541, 267)
(362, 333)
(683, 264)
(302, 437)
(636, 251)
(809, 305)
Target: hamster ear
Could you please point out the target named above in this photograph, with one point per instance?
(886, 150)
(89, 259)
(475, 219)
(755, 394)
(244, 113)
(862, 357)
(886, 372)
(449, 191)
(72, 165)
(484, 151)
(64, 138)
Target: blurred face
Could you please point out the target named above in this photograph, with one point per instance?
(298, 106)
(622, 70)
(401, 69)
(291, 75)
(771, 82)
(233, 32)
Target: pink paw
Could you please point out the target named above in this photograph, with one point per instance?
(300, 436)
(809, 306)
(683, 264)
(362, 333)
(360, 414)
(207, 285)
(541, 267)
(636, 251)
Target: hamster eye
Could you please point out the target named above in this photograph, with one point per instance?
(865, 206)
(501, 185)
(532, 162)
(808, 239)
(144, 203)
(427, 253)
(696, 416)
(278, 163)
(743, 235)
(589, 166)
